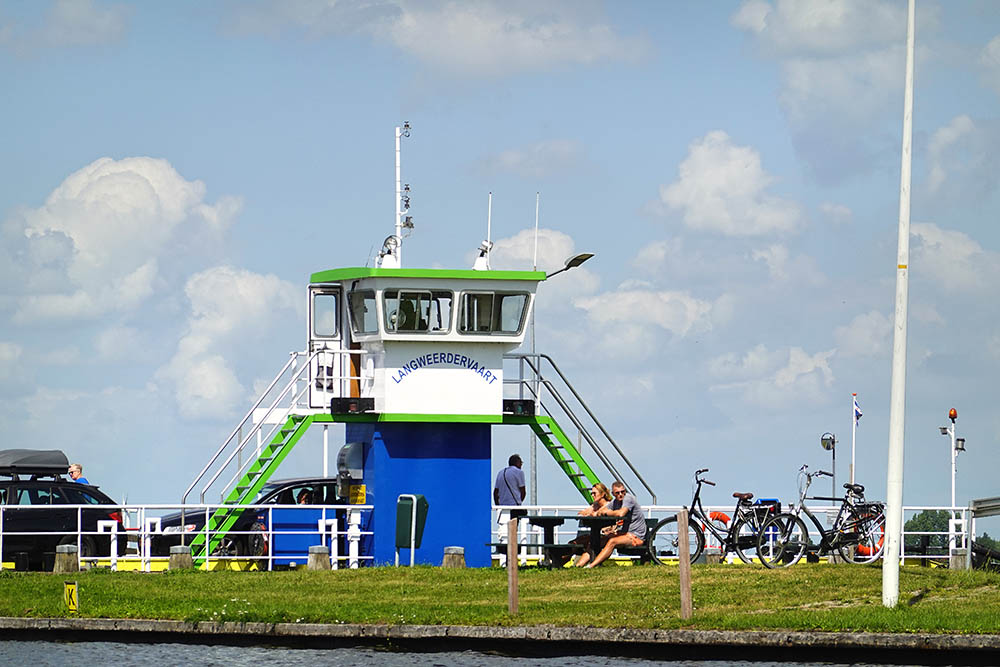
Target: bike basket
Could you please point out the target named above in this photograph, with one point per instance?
(766, 507)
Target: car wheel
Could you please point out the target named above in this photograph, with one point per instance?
(259, 545)
(231, 545)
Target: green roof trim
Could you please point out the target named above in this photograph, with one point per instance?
(354, 273)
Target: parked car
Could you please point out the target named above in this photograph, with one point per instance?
(34, 497)
(250, 536)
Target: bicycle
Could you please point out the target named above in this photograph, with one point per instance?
(858, 532)
(741, 536)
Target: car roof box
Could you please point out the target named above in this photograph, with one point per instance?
(32, 462)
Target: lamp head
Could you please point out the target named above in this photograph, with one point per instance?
(959, 444)
(953, 415)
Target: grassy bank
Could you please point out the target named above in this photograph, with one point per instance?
(813, 597)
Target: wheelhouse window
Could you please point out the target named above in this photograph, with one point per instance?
(325, 315)
(413, 311)
(361, 304)
(493, 312)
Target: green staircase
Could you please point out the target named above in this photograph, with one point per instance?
(249, 486)
(565, 454)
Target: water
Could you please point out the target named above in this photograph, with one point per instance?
(45, 653)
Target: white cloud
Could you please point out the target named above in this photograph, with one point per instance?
(836, 214)
(867, 335)
(722, 188)
(942, 139)
(820, 26)
(119, 343)
(953, 260)
(990, 59)
(10, 354)
(844, 53)
(97, 243)
(538, 160)
(230, 308)
(69, 23)
(841, 64)
(474, 37)
(633, 318)
(775, 380)
(784, 267)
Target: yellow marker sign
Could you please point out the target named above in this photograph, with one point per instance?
(357, 494)
(69, 596)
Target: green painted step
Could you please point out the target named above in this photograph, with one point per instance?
(560, 447)
(249, 486)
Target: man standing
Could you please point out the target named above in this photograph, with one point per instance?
(509, 487)
(634, 533)
(76, 473)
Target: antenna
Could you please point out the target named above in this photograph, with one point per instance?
(391, 255)
(534, 258)
(483, 260)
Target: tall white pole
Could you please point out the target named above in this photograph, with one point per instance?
(952, 430)
(897, 399)
(854, 432)
(534, 360)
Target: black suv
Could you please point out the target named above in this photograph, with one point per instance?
(34, 497)
(248, 536)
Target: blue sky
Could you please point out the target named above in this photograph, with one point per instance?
(172, 174)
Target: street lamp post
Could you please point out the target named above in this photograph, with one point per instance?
(571, 263)
(957, 445)
(829, 442)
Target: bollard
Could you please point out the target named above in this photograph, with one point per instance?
(512, 588)
(319, 557)
(453, 557)
(180, 557)
(957, 560)
(684, 563)
(66, 559)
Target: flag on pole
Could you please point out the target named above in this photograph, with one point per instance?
(857, 411)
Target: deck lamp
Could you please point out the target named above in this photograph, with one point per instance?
(572, 263)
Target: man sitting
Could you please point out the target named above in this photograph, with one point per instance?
(633, 530)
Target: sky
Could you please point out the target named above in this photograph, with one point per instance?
(172, 173)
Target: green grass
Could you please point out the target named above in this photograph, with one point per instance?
(810, 597)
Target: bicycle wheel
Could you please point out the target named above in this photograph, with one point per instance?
(782, 541)
(866, 527)
(663, 541)
(747, 535)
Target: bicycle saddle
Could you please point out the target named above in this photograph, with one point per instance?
(858, 489)
(743, 496)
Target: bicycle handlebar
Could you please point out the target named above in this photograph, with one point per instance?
(708, 482)
(698, 472)
(824, 473)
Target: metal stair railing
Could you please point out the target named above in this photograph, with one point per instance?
(239, 427)
(535, 381)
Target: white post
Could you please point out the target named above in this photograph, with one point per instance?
(326, 449)
(353, 538)
(111, 527)
(897, 399)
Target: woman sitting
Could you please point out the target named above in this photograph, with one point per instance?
(601, 497)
